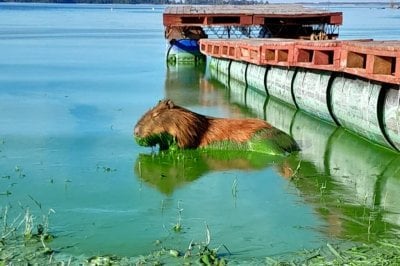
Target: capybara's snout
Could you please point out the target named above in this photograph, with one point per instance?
(136, 131)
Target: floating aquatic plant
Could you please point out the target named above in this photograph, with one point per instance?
(164, 140)
(205, 254)
(268, 141)
(178, 226)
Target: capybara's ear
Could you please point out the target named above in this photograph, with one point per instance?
(170, 104)
(163, 103)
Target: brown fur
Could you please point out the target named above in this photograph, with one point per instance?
(192, 130)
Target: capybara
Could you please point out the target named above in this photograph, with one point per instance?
(168, 125)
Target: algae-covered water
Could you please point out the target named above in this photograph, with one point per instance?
(74, 79)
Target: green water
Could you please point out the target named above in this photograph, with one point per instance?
(71, 90)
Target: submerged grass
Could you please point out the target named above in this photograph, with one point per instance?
(385, 252)
(21, 243)
(24, 241)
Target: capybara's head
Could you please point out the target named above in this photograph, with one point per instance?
(167, 124)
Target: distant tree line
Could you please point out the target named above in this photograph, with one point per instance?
(156, 2)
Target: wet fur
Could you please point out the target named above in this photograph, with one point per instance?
(193, 130)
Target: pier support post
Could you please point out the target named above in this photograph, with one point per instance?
(223, 71)
(279, 83)
(355, 105)
(280, 115)
(255, 77)
(391, 116)
(311, 91)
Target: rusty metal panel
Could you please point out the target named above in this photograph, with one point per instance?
(171, 20)
(254, 14)
(336, 19)
(373, 60)
(246, 20)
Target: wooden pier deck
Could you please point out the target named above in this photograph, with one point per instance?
(279, 20)
(373, 60)
(241, 15)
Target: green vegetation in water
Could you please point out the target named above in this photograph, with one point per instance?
(384, 252)
(105, 169)
(269, 141)
(178, 226)
(19, 244)
(22, 240)
(164, 140)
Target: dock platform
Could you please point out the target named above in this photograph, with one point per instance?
(372, 60)
(198, 15)
(276, 20)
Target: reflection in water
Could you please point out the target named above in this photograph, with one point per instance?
(236, 92)
(350, 182)
(389, 192)
(187, 84)
(359, 166)
(312, 137)
(345, 177)
(190, 85)
(182, 81)
(256, 101)
(168, 170)
(279, 114)
(344, 183)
